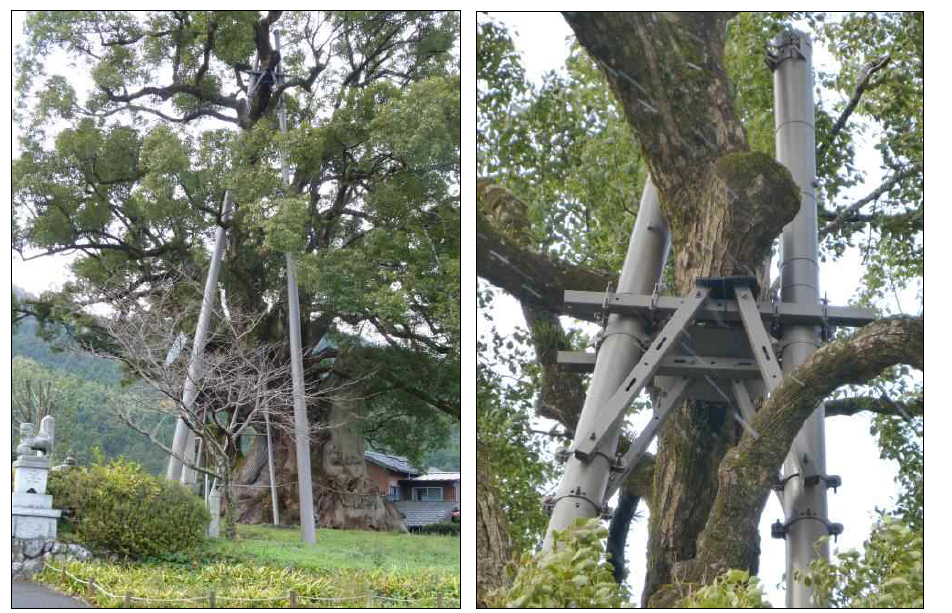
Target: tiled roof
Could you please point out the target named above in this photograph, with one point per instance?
(423, 513)
(436, 476)
(392, 462)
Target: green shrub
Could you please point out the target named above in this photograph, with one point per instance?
(573, 575)
(123, 509)
(889, 573)
(440, 528)
(734, 589)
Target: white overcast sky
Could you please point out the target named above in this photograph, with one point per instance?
(543, 39)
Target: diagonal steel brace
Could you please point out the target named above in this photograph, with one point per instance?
(670, 399)
(760, 342)
(762, 347)
(596, 426)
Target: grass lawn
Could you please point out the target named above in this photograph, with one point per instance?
(355, 568)
(341, 549)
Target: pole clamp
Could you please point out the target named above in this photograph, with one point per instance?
(608, 293)
(618, 466)
(549, 502)
(782, 483)
(779, 529)
(652, 317)
(776, 328)
(833, 481)
(787, 49)
(826, 330)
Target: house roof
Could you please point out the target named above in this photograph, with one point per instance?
(436, 476)
(423, 513)
(392, 462)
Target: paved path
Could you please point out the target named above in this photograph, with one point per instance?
(36, 596)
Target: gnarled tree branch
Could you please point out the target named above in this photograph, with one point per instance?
(534, 279)
(746, 473)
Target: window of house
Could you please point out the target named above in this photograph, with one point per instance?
(394, 493)
(428, 494)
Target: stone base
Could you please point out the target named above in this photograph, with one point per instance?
(34, 523)
(32, 501)
(29, 554)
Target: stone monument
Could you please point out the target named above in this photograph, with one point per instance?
(33, 513)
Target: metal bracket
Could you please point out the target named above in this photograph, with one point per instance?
(652, 314)
(604, 320)
(779, 529)
(833, 481)
(670, 398)
(549, 502)
(780, 485)
(776, 327)
(641, 374)
(760, 342)
(788, 49)
(826, 330)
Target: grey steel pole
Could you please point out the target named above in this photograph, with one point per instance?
(581, 491)
(274, 487)
(796, 147)
(302, 437)
(183, 441)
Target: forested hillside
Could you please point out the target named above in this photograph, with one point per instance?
(84, 390)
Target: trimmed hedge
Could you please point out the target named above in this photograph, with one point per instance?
(440, 528)
(121, 508)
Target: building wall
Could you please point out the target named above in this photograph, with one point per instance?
(382, 477)
(449, 491)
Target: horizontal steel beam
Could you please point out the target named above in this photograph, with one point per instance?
(589, 304)
(676, 366)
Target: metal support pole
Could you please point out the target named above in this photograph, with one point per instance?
(796, 147)
(274, 486)
(302, 438)
(183, 440)
(618, 354)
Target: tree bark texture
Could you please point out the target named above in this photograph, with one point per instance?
(344, 496)
(493, 546)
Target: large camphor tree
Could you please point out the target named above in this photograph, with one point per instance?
(686, 98)
(132, 126)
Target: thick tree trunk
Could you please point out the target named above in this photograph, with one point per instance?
(724, 206)
(344, 497)
(493, 546)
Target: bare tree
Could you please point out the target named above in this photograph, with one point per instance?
(31, 401)
(245, 387)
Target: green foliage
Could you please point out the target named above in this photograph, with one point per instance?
(86, 390)
(518, 469)
(733, 589)
(120, 508)
(586, 168)
(135, 187)
(269, 562)
(902, 441)
(447, 457)
(572, 575)
(446, 528)
(889, 573)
